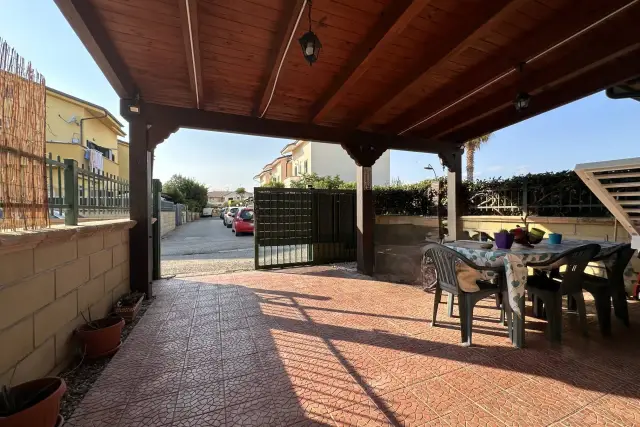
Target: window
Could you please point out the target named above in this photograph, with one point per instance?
(246, 214)
(295, 170)
(306, 166)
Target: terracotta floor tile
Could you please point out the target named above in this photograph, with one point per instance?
(157, 411)
(471, 416)
(439, 396)
(296, 410)
(199, 400)
(378, 380)
(237, 366)
(524, 412)
(203, 356)
(364, 414)
(255, 413)
(619, 409)
(210, 419)
(163, 382)
(402, 408)
(105, 418)
(588, 418)
(201, 375)
(470, 384)
(245, 388)
(105, 396)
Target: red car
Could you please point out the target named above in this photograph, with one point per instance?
(243, 222)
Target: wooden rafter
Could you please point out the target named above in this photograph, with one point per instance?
(176, 117)
(393, 21)
(493, 12)
(87, 24)
(559, 28)
(189, 23)
(278, 51)
(602, 51)
(596, 79)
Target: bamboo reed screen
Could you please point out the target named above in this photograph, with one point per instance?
(23, 193)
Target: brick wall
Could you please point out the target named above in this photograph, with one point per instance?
(47, 279)
(167, 222)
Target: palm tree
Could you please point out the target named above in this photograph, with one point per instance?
(471, 147)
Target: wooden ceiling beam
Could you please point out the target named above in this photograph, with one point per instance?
(493, 12)
(393, 21)
(176, 117)
(278, 51)
(566, 23)
(190, 35)
(89, 28)
(595, 80)
(604, 46)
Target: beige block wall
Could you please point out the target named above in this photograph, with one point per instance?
(167, 222)
(48, 279)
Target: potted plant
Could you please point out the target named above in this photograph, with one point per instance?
(129, 305)
(101, 337)
(504, 239)
(34, 403)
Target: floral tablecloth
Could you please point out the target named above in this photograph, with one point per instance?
(516, 258)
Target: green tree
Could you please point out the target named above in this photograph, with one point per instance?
(471, 147)
(187, 191)
(316, 181)
(241, 192)
(274, 184)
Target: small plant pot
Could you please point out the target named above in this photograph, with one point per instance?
(101, 337)
(40, 400)
(503, 240)
(128, 313)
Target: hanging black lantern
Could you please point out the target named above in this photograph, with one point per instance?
(522, 98)
(310, 43)
(522, 101)
(311, 46)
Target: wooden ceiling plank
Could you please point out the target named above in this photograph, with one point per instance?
(221, 122)
(561, 26)
(190, 35)
(394, 20)
(596, 79)
(87, 25)
(602, 50)
(278, 51)
(447, 50)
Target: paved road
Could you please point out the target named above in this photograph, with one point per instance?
(205, 247)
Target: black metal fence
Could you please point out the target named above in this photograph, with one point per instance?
(76, 192)
(303, 226)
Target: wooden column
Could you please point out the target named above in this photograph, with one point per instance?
(453, 162)
(365, 155)
(365, 220)
(140, 241)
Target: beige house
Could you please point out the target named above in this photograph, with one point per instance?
(306, 157)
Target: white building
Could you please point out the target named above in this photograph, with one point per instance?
(327, 160)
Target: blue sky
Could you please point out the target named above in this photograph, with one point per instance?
(593, 129)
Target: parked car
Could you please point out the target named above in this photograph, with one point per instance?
(243, 222)
(228, 216)
(222, 212)
(207, 212)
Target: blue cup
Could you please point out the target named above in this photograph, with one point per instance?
(555, 238)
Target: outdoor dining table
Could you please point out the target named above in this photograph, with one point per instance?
(515, 262)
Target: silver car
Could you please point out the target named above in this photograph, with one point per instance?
(228, 216)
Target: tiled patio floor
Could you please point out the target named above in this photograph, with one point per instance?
(319, 346)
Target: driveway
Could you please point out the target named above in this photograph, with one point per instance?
(205, 246)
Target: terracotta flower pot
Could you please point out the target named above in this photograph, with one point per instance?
(43, 396)
(101, 337)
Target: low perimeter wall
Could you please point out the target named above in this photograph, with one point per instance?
(399, 239)
(47, 278)
(167, 222)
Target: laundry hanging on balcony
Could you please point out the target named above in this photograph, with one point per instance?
(96, 159)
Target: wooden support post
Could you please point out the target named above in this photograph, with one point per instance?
(453, 161)
(140, 241)
(365, 220)
(157, 227)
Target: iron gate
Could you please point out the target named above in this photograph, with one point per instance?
(304, 226)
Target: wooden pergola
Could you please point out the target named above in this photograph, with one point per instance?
(419, 75)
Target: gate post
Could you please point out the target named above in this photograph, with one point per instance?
(157, 228)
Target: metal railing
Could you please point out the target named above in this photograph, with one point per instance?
(76, 192)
